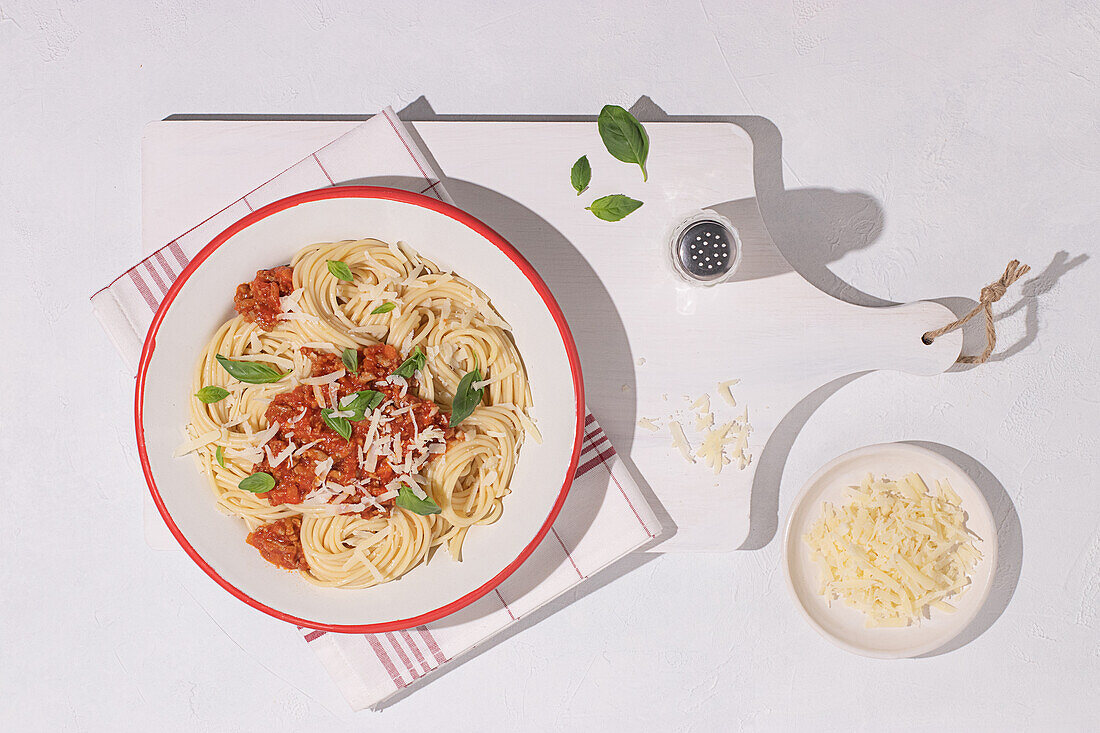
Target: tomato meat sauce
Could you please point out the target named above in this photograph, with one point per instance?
(258, 301)
(280, 543)
(301, 422)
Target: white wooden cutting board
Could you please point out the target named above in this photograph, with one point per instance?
(646, 340)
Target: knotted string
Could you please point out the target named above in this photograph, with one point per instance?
(991, 293)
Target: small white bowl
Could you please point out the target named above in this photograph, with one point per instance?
(845, 626)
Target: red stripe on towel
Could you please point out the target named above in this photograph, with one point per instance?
(143, 288)
(384, 658)
(426, 635)
(318, 161)
(505, 604)
(566, 550)
(402, 655)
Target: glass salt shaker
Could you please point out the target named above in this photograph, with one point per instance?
(704, 248)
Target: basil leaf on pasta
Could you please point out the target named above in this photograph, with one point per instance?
(252, 372)
(338, 424)
(411, 365)
(406, 499)
(257, 483)
(219, 456)
(466, 397)
(339, 270)
(384, 308)
(350, 357)
(363, 402)
(211, 394)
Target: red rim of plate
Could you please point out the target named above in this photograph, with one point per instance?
(392, 194)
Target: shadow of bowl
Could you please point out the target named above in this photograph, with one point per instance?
(594, 321)
(1010, 545)
(597, 327)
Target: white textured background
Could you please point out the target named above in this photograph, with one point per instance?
(973, 129)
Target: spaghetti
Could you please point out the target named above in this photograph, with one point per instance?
(373, 409)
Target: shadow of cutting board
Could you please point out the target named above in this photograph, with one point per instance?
(650, 345)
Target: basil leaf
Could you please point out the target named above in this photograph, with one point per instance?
(411, 365)
(257, 483)
(338, 424)
(581, 174)
(466, 397)
(623, 136)
(253, 372)
(350, 357)
(219, 456)
(406, 499)
(384, 308)
(339, 270)
(365, 401)
(210, 394)
(613, 207)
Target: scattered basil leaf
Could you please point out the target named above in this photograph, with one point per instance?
(623, 136)
(253, 372)
(384, 308)
(406, 499)
(466, 397)
(339, 270)
(413, 364)
(613, 207)
(581, 175)
(257, 483)
(365, 401)
(350, 357)
(211, 394)
(338, 424)
(219, 456)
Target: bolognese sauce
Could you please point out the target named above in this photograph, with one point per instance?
(338, 459)
(280, 543)
(258, 301)
(300, 417)
(301, 422)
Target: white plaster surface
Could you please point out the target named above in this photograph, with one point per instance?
(972, 131)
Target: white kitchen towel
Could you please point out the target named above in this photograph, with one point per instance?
(604, 518)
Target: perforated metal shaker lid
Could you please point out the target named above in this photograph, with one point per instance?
(705, 248)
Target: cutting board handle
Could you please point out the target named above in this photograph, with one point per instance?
(889, 337)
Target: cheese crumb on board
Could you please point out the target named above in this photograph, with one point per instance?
(720, 446)
(680, 441)
(895, 550)
(702, 422)
(725, 393)
(733, 436)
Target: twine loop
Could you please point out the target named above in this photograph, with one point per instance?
(990, 294)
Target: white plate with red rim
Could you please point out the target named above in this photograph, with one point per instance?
(845, 626)
(201, 300)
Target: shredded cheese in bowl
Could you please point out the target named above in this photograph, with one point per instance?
(895, 551)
